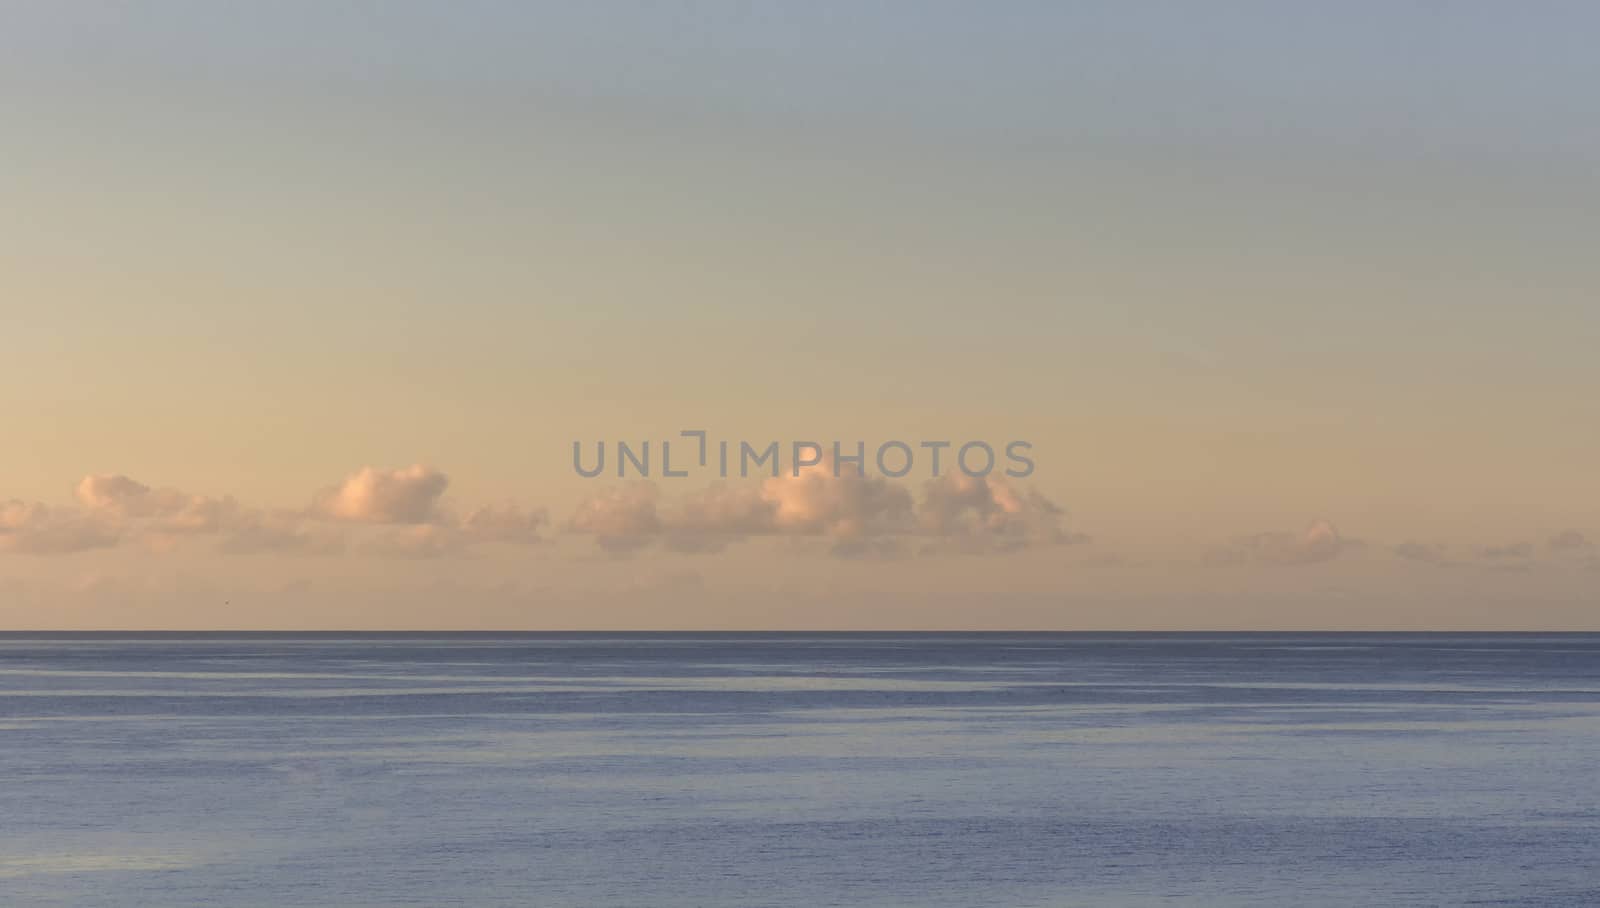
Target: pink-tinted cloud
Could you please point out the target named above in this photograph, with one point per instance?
(405, 495)
(350, 516)
(108, 492)
(979, 514)
(115, 497)
(866, 517)
(621, 519)
(814, 503)
(848, 505)
(33, 528)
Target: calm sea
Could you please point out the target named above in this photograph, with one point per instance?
(811, 770)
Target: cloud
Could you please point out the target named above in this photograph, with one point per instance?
(421, 540)
(398, 513)
(621, 519)
(107, 492)
(399, 510)
(32, 528)
(864, 517)
(1318, 542)
(407, 499)
(204, 515)
(279, 533)
(627, 518)
(506, 523)
(157, 512)
(972, 514)
(409, 495)
(849, 506)
(723, 509)
(159, 517)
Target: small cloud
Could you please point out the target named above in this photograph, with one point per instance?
(108, 492)
(409, 495)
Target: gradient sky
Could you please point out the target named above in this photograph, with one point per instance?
(1298, 304)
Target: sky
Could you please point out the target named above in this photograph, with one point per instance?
(305, 304)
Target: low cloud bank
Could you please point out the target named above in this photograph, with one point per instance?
(391, 512)
(863, 516)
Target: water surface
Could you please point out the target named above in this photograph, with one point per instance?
(162, 770)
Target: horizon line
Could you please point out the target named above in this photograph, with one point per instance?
(747, 631)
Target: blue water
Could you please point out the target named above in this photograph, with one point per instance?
(806, 770)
